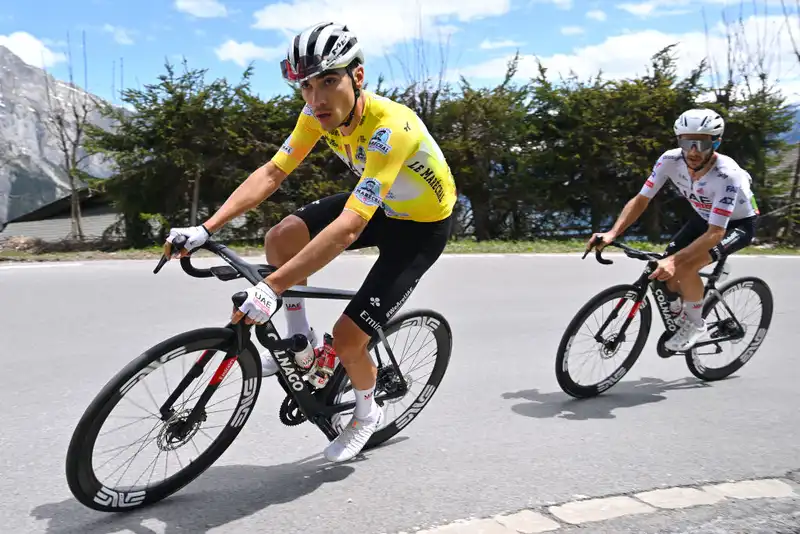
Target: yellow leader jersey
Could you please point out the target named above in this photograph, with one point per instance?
(400, 165)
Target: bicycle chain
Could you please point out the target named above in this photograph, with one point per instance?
(289, 413)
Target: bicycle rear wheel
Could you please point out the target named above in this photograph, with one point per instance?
(82, 456)
(426, 328)
(720, 324)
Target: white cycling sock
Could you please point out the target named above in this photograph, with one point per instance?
(296, 320)
(364, 402)
(694, 310)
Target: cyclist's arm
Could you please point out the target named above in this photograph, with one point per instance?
(381, 170)
(265, 180)
(721, 210)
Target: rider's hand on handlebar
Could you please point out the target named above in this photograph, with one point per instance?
(259, 306)
(195, 236)
(599, 241)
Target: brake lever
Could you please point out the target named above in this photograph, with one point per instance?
(177, 244)
(590, 247)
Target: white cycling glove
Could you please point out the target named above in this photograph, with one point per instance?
(195, 236)
(261, 303)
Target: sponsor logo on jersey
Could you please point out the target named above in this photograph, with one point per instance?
(361, 154)
(730, 189)
(287, 145)
(332, 142)
(379, 142)
(430, 178)
(368, 191)
(726, 200)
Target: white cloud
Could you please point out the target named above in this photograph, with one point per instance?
(121, 35)
(244, 53)
(596, 14)
(571, 30)
(506, 43)
(202, 8)
(560, 4)
(653, 8)
(628, 54)
(31, 50)
(394, 22)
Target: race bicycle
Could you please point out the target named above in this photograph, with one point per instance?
(630, 303)
(176, 419)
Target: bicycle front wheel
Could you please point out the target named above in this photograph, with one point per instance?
(165, 435)
(623, 324)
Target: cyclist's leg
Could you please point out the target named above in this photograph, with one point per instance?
(691, 230)
(407, 250)
(284, 240)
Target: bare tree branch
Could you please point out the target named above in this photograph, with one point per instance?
(67, 123)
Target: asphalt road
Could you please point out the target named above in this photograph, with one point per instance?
(498, 435)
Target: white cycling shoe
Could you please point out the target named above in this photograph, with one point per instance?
(268, 364)
(353, 437)
(687, 335)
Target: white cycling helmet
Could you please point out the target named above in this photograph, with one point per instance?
(700, 121)
(321, 47)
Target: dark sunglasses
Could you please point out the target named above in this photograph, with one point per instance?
(701, 145)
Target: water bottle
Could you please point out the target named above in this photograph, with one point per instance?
(324, 364)
(305, 356)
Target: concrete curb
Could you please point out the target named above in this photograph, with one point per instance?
(551, 518)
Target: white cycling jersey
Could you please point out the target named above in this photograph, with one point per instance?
(720, 195)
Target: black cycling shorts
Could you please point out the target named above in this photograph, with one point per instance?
(738, 235)
(407, 249)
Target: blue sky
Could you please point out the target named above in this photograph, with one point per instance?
(225, 35)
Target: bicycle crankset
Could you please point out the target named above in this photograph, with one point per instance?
(290, 414)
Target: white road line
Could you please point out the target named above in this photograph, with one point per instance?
(206, 261)
(38, 265)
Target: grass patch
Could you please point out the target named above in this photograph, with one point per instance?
(464, 246)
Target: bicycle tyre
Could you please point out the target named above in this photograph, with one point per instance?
(565, 381)
(81, 478)
(444, 341)
(761, 288)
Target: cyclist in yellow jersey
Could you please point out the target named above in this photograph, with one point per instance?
(402, 205)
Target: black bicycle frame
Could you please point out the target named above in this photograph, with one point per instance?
(311, 402)
(659, 290)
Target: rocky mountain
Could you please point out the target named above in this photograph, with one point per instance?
(31, 168)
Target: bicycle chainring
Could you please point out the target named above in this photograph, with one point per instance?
(289, 413)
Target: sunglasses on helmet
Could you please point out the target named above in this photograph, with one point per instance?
(304, 67)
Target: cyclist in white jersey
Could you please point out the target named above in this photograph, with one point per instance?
(724, 218)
